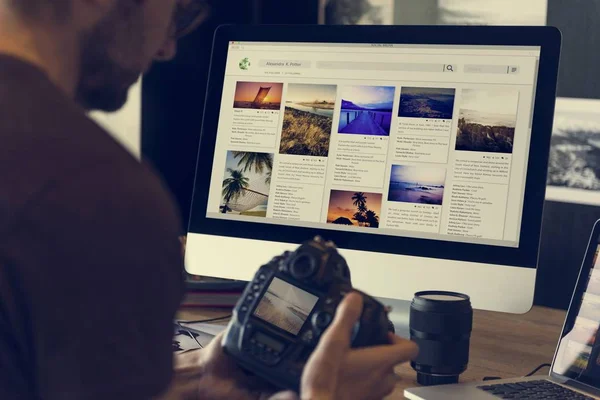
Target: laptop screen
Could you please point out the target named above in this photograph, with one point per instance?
(415, 141)
(578, 354)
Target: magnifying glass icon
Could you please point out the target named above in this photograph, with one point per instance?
(450, 68)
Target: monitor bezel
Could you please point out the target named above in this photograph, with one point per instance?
(525, 255)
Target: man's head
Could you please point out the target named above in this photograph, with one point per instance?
(117, 39)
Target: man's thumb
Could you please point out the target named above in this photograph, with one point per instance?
(319, 379)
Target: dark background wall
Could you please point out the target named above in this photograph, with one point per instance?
(567, 226)
(173, 100)
(173, 92)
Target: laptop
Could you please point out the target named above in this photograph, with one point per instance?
(575, 370)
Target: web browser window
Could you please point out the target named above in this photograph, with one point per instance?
(424, 141)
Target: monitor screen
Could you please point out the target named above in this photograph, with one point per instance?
(578, 354)
(403, 140)
(285, 306)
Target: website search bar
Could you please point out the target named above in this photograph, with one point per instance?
(491, 69)
(385, 66)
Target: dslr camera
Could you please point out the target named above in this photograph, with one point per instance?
(283, 311)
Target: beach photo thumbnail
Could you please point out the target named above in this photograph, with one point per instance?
(426, 102)
(422, 185)
(354, 208)
(246, 183)
(308, 119)
(258, 95)
(487, 120)
(366, 110)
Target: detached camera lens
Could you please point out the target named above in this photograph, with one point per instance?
(440, 323)
(302, 266)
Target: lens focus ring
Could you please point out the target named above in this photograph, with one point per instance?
(434, 323)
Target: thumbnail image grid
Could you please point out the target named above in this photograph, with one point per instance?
(285, 306)
(421, 185)
(487, 120)
(427, 102)
(354, 208)
(366, 110)
(246, 183)
(308, 119)
(258, 95)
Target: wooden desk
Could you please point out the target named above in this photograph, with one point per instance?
(502, 345)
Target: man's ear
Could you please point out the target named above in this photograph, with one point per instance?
(194, 13)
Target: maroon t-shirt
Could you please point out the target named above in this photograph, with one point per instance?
(90, 262)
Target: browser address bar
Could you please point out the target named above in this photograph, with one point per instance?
(385, 66)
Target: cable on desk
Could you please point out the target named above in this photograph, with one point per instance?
(494, 378)
(201, 321)
(191, 334)
(537, 369)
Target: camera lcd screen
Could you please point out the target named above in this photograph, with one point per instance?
(285, 306)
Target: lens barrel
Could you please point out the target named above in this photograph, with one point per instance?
(441, 324)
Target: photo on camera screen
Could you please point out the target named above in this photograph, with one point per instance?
(285, 306)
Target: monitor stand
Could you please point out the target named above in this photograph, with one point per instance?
(399, 315)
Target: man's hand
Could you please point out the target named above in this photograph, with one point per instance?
(336, 371)
(209, 373)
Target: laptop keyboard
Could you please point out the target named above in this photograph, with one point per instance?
(533, 390)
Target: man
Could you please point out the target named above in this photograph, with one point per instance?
(90, 263)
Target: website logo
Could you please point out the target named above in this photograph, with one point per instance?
(245, 64)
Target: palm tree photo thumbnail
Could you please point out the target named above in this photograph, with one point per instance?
(354, 208)
(246, 183)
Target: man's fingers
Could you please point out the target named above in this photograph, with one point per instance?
(389, 355)
(410, 347)
(284, 396)
(336, 339)
(347, 313)
(321, 371)
(388, 384)
(214, 349)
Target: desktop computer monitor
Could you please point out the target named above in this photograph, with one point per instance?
(420, 151)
